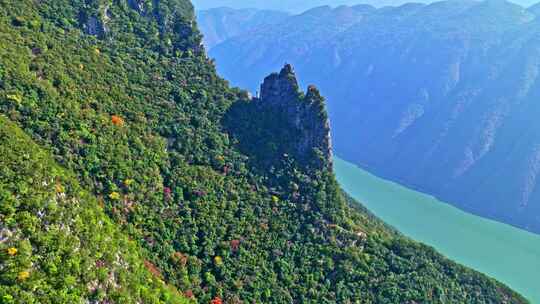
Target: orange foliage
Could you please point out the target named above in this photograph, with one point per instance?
(117, 120)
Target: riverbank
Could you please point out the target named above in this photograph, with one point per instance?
(501, 251)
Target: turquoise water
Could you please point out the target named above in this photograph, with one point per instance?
(503, 252)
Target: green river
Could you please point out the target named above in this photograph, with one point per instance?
(501, 251)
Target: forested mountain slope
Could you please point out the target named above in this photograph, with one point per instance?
(56, 243)
(440, 97)
(122, 96)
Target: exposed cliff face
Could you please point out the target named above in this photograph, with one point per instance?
(172, 21)
(94, 26)
(281, 89)
(302, 116)
(137, 5)
(283, 123)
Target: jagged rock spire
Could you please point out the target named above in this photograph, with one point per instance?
(304, 116)
(280, 88)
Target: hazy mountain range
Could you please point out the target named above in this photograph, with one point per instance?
(441, 97)
(298, 6)
(223, 23)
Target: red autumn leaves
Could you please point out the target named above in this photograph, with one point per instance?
(167, 193)
(235, 244)
(216, 300)
(189, 294)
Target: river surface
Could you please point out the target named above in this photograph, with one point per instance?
(501, 251)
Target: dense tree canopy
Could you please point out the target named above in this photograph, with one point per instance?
(56, 243)
(122, 97)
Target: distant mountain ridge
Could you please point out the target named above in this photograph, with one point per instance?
(298, 6)
(440, 97)
(222, 23)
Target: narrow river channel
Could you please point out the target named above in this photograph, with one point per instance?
(508, 254)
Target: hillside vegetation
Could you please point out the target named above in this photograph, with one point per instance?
(56, 243)
(121, 95)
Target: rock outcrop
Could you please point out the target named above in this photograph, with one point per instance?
(304, 117)
(137, 5)
(94, 26)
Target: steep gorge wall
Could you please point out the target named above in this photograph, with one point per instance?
(440, 97)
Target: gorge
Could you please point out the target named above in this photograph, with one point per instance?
(440, 97)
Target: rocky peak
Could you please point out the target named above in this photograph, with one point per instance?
(282, 88)
(303, 117)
